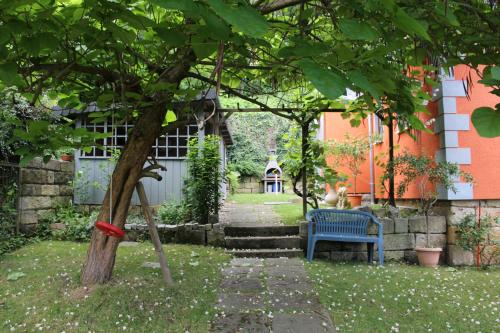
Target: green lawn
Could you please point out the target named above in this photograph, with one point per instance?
(290, 214)
(402, 298)
(260, 198)
(49, 298)
(361, 298)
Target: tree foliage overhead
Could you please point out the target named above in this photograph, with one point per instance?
(136, 58)
(133, 52)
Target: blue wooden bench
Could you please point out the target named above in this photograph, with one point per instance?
(343, 226)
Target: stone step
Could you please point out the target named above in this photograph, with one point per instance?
(266, 253)
(266, 242)
(262, 231)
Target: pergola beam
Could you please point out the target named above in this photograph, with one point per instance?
(288, 110)
(303, 120)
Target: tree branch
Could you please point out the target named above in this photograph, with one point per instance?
(64, 68)
(277, 5)
(151, 174)
(238, 94)
(210, 63)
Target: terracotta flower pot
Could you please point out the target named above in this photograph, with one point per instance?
(66, 158)
(354, 200)
(428, 257)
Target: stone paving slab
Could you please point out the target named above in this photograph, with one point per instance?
(257, 322)
(242, 271)
(234, 302)
(243, 285)
(247, 215)
(269, 295)
(302, 323)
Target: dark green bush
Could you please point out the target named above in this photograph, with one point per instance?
(249, 168)
(203, 190)
(173, 213)
(9, 239)
(233, 179)
(78, 224)
(16, 111)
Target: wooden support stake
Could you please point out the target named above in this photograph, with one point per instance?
(304, 156)
(392, 186)
(153, 233)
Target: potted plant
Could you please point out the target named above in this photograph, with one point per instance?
(427, 175)
(66, 154)
(351, 154)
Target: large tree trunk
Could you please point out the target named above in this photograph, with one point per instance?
(101, 254)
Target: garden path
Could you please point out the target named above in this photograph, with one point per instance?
(248, 215)
(269, 295)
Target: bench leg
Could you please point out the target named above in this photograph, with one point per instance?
(310, 248)
(380, 250)
(370, 247)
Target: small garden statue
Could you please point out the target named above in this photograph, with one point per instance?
(343, 202)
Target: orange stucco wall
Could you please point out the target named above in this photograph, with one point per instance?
(485, 153)
(335, 129)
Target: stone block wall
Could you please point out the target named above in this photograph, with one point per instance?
(250, 185)
(189, 233)
(401, 237)
(43, 186)
(456, 211)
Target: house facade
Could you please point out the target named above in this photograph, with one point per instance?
(453, 139)
(93, 168)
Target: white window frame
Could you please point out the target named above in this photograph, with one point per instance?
(166, 147)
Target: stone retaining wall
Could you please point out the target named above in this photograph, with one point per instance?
(456, 211)
(401, 237)
(250, 185)
(189, 233)
(43, 186)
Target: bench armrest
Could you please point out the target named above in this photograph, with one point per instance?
(380, 226)
(310, 223)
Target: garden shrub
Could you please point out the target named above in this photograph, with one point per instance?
(293, 162)
(15, 110)
(203, 191)
(9, 239)
(134, 218)
(249, 168)
(473, 236)
(78, 224)
(248, 155)
(173, 213)
(233, 179)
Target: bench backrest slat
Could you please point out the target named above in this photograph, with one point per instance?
(341, 222)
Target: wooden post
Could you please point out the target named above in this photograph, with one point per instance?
(305, 136)
(167, 277)
(200, 122)
(392, 196)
